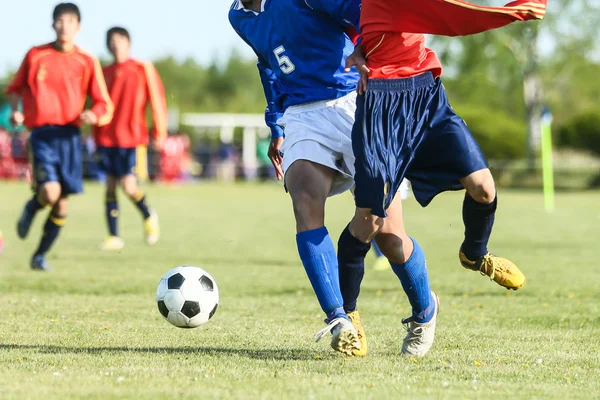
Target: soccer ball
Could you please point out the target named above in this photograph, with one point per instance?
(187, 296)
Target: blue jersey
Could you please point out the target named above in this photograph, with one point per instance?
(302, 49)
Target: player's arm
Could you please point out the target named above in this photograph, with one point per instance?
(272, 112)
(15, 89)
(346, 12)
(451, 17)
(102, 109)
(157, 101)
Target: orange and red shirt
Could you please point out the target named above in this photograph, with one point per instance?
(393, 52)
(132, 85)
(54, 85)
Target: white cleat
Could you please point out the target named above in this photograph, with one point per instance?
(344, 336)
(419, 337)
(151, 229)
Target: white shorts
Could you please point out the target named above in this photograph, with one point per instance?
(321, 132)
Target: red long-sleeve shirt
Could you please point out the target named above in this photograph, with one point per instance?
(133, 85)
(393, 53)
(53, 86)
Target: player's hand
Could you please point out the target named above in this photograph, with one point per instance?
(88, 117)
(357, 59)
(17, 118)
(275, 156)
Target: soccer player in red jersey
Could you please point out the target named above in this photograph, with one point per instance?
(132, 86)
(405, 128)
(53, 83)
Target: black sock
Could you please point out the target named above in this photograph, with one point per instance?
(140, 202)
(112, 215)
(479, 220)
(34, 204)
(51, 231)
(351, 261)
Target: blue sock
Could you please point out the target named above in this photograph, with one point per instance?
(112, 215)
(140, 202)
(51, 230)
(320, 262)
(479, 220)
(377, 251)
(351, 259)
(415, 282)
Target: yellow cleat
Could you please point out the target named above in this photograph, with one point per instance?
(500, 270)
(362, 338)
(382, 264)
(112, 243)
(151, 229)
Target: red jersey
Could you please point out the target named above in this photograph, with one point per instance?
(393, 53)
(53, 86)
(132, 85)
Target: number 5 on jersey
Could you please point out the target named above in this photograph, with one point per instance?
(285, 64)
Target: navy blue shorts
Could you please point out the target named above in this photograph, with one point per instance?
(406, 128)
(56, 157)
(117, 161)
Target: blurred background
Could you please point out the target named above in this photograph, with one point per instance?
(509, 85)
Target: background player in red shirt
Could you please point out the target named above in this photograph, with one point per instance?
(53, 82)
(132, 85)
(405, 128)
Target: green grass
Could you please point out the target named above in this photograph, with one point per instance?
(91, 328)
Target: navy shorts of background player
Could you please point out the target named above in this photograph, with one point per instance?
(56, 153)
(117, 161)
(406, 128)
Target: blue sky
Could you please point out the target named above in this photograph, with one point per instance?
(196, 28)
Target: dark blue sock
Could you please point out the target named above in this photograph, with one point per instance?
(415, 282)
(51, 231)
(377, 251)
(320, 262)
(351, 260)
(112, 215)
(479, 220)
(140, 202)
(34, 205)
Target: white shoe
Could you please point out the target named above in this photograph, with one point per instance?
(419, 337)
(344, 336)
(112, 243)
(151, 229)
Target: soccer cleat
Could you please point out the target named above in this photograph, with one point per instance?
(500, 270)
(151, 228)
(419, 337)
(38, 263)
(344, 336)
(381, 264)
(112, 243)
(24, 223)
(360, 330)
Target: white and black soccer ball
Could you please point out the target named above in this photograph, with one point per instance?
(187, 296)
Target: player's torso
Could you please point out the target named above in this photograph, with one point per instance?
(126, 80)
(58, 73)
(305, 49)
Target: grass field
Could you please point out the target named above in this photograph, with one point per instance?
(91, 328)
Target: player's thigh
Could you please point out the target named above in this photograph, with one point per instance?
(45, 161)
(50, 192)
(392, 239)
(129, 183)
(71, 162)
(308, 181)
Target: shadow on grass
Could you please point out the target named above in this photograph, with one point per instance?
(258, 354)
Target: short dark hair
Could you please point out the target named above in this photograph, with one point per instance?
(66, 8)
(116, 30)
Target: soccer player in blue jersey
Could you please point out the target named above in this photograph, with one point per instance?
(312, 100)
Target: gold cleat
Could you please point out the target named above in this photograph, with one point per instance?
(499, 269)
(151, 229)
(362, 338)
(112, 243)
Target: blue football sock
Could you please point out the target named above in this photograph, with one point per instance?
(34, 205)
(51, 230)
(479, 220)
(320, 262)
(112, 215)
(415, 282)
(377, 251)
(351, 259)
(140, 202)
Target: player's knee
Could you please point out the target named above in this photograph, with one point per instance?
(50, 192)
(364, 226)
(61, 207)
(481, 187)
(309, 210)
